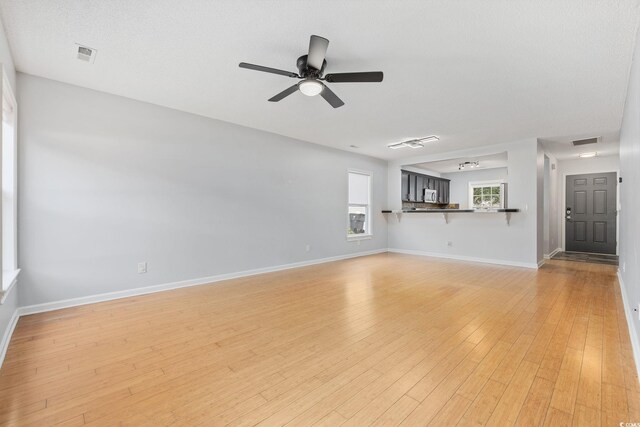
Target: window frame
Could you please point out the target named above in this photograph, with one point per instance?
(489, 183)
(9, 273)
(368, 220)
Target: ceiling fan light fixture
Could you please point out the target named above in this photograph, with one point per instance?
(310, 87)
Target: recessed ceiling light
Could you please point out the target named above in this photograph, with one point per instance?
(587, 155)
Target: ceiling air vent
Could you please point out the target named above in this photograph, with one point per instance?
(585, 141)
(86, 54)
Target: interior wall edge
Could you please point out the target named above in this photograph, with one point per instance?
(633, 334)
(8, 332)
(465, 258)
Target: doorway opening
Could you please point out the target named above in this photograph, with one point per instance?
(591, 213)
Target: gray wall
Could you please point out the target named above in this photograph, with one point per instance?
(5, 57)
(540, 203)
(106, 182)
(629, 243)
(469, 234)
(11, 303)
(552, 205)
(589, 165)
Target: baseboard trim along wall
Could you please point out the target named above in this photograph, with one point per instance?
(465, 258)
(6, 337)
(92, 299)
(57, 305)
(553, 253)
(633, 334)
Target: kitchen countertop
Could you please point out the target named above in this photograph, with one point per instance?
(435, 210)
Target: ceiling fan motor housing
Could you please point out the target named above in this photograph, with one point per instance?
(308, 71)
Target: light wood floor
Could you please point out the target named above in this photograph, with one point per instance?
(382, 340)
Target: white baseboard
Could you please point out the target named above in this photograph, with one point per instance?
(4, 344)
(465, 258)
(633, 334)
(553, 253)
(92, 299)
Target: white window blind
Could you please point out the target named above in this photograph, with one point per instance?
(358, 189)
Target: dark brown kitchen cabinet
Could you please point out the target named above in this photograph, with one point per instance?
(420, 188)
(412, 188)
(413, 185)
(405, 186)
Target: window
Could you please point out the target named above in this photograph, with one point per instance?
(9, 185)
(486, 195)
(359, 216)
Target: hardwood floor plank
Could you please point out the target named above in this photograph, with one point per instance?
(387, 339)
(508, 408)
(535, 407)
(397, 412)
(566, 387)
(483, 406)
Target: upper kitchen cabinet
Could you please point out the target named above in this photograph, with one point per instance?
(414, 184)
(405, 186)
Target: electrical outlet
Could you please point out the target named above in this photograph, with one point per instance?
(142, 267)
(307, 248)
(624, 267)
(358, 242)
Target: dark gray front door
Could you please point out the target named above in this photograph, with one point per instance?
(590, 217)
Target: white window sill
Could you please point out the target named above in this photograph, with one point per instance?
(9, 280)
(352, 237)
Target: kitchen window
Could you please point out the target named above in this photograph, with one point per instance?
(359, 210)
(486, 195)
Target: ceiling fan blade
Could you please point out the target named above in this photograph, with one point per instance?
(317, 51)
(365, 77)
(284, 93)
(331, 97)
(267, 69)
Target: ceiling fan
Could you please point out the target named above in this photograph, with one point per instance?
(311, 69)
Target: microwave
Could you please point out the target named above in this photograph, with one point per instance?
(430, 196)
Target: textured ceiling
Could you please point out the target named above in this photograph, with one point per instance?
(474, 73)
